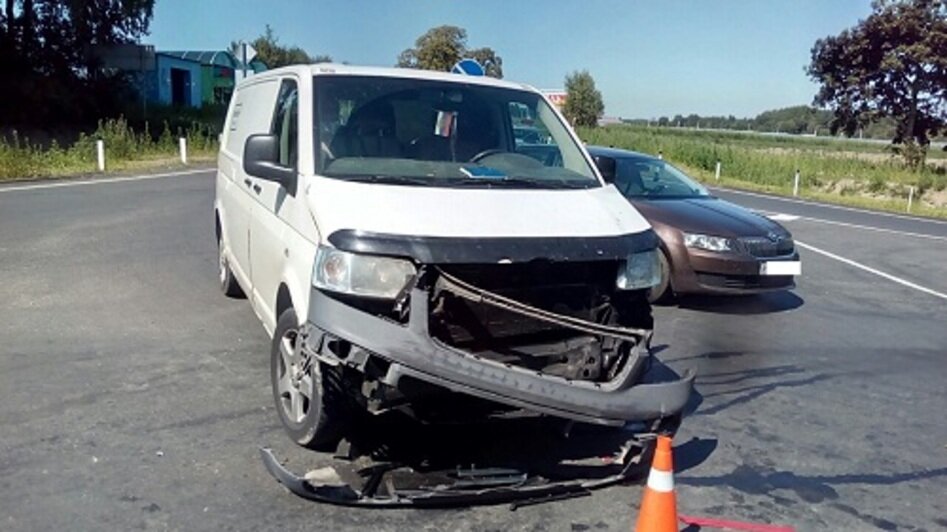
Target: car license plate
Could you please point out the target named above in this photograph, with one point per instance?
(781, 267)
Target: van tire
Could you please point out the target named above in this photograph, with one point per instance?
(316, 421)
(228, 283)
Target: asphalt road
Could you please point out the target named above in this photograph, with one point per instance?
(134, 395)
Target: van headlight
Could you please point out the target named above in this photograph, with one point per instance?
(360, 275)
(641, 270)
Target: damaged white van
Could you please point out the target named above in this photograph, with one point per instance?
(407, 249)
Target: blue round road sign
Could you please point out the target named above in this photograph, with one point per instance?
(469, 67)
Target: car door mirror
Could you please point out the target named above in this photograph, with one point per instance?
(606, 166)
(261, 159)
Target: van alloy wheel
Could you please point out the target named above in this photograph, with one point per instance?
(228, 283)
(297, 377)
(221, 267)
(308, 395)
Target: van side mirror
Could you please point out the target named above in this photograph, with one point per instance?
(606, 166)
(261, 159)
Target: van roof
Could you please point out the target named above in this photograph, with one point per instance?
(334, 69)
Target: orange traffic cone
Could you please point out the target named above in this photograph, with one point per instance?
(659, 506)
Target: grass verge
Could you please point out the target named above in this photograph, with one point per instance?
(125, 150)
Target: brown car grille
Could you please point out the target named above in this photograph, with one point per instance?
(745, 282)
(762, 247)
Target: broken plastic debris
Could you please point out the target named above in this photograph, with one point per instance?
(325, 476)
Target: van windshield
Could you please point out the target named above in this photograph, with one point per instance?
(433, 133)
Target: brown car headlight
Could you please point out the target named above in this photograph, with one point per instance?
(640, 270)
(360, 275)
(708, 242)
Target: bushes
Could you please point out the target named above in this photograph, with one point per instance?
(21, 159)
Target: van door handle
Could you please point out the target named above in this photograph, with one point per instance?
(257, 188)
(247, 182)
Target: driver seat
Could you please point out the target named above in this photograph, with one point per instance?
(369, 133)
(629, 180)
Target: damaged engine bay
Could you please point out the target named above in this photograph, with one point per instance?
(555, 320)
(563, 319)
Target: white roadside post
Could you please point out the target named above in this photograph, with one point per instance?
(910, 197)
(100, 154)
(717, 172)
(660, 155)
(795, 185)
(182, 144)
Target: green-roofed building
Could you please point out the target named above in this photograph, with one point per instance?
(219, 72)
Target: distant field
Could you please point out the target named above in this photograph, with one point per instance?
(860, 173)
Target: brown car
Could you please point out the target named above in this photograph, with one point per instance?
(708, 245)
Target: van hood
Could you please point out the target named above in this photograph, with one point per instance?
(417, 211)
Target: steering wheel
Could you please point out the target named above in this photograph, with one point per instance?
(486, 153)
(626, 190)
(658, 189)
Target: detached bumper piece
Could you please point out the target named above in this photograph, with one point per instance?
(390, 485)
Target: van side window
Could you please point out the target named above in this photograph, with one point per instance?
(285, 123)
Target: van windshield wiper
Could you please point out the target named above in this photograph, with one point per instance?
(516, 182)
(387, 179)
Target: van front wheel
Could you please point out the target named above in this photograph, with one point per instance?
(308, 394)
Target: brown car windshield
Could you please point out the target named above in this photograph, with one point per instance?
(644, 177)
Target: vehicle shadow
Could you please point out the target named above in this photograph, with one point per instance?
(767, 303)
(745, 386)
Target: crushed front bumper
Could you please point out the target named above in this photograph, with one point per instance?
(408, 350)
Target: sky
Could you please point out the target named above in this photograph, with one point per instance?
(649, 58)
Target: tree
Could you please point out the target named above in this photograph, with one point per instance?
(583, 101)
(491, 62)
(442, 47)
(892, 64)
(49, 71)
(274, 55)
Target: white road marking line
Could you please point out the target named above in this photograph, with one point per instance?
(869, 269)
(103, 181)
(779, 217)
(829, 205)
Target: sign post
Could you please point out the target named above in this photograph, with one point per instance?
(244, 53)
